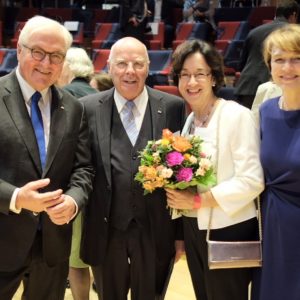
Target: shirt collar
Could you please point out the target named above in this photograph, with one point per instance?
(28, 91)
(140, 101)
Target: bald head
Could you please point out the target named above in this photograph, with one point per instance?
(128, 65)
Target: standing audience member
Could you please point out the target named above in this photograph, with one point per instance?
(198, 70)
(45, 165)
(128, 238)
(77, 71)
(101, 81)
(254, 71)
(133, 18)
(280, 143)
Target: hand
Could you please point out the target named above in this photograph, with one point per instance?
(183, 199)
(134, 21)
(31, 199)
(180, 250)
(63, 212)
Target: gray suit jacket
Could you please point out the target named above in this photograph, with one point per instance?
(68, 166)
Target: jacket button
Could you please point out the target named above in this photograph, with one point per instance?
(105, 220)
(134, 157)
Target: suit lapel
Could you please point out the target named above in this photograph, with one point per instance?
(158, 114)
(17, 109)
(103, 126)
(57, 127)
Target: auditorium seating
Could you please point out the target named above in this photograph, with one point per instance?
(99, 58)
(105, 35)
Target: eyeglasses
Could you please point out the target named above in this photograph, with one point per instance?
(136, 65)
(55, 58)
(198, 76)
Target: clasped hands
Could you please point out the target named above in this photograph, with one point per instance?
(180, 199)
(59, 207)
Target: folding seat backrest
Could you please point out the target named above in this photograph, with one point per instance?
(100, 57)
(160, 61)
(227, 30)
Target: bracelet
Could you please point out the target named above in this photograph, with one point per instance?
(197, 201)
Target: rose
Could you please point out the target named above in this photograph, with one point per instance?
(181, 144)
(205, 163)
(174, 158)
(150, 173)
(166, 173)
(167, 135)
(185, 174)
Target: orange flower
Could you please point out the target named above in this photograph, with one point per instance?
(167, 135)
(150, 173)
(149, 186)
(181, 144)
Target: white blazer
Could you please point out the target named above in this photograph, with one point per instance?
(239, 172)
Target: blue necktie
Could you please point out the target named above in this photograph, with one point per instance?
(129, 122)
(37, 123)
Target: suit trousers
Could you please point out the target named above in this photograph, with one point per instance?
(40, 281)
(220, 284)
(129, 264)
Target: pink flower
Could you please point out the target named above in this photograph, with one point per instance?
(174, 158)
(185, 174)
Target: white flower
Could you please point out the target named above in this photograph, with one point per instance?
(166, 173)
(205, 163)
(193, 159)
(200, 171)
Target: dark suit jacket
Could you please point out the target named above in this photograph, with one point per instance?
(130, 8)
(68, 166)
(79, 87)
(254, 70)
(167, 111)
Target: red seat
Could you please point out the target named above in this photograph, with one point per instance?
(100, 57)
(171, 89)
(105, 35)
(156, 41)
(183, 31)
(227, 30)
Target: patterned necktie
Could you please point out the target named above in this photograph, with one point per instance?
(129, 122)
(38, 126)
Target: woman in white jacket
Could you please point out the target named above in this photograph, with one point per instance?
(231, 139)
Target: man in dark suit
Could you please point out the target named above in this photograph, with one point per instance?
(254, 71)
(133, 18)
(128, 238)
(45, 165)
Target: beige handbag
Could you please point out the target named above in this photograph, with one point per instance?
(234, 254)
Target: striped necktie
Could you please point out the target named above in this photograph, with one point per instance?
(129, 122)
(38, 126)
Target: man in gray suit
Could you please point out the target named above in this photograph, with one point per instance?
(45, 165)
(128, 238)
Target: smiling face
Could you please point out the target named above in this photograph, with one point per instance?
(41, 74)
(195, 80)
(285, 68)
(128, 67)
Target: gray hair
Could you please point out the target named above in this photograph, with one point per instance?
(39, 23)
(79, 62)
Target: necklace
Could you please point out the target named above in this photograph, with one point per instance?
(202, 120)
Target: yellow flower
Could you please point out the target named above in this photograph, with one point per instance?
(165, 142)
(167, 135)
(187, 156)
(149, 186)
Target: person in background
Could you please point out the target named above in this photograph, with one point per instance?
(76, 74)
(280, 143)
(198, 70)
(265, 91)
(45, 165)
(133, 18)
(254, 71)
(101, 81)
(128, 238)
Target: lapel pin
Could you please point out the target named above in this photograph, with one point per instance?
(159, 111)
(62, 107)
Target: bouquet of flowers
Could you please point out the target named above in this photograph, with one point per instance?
(175, 162)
